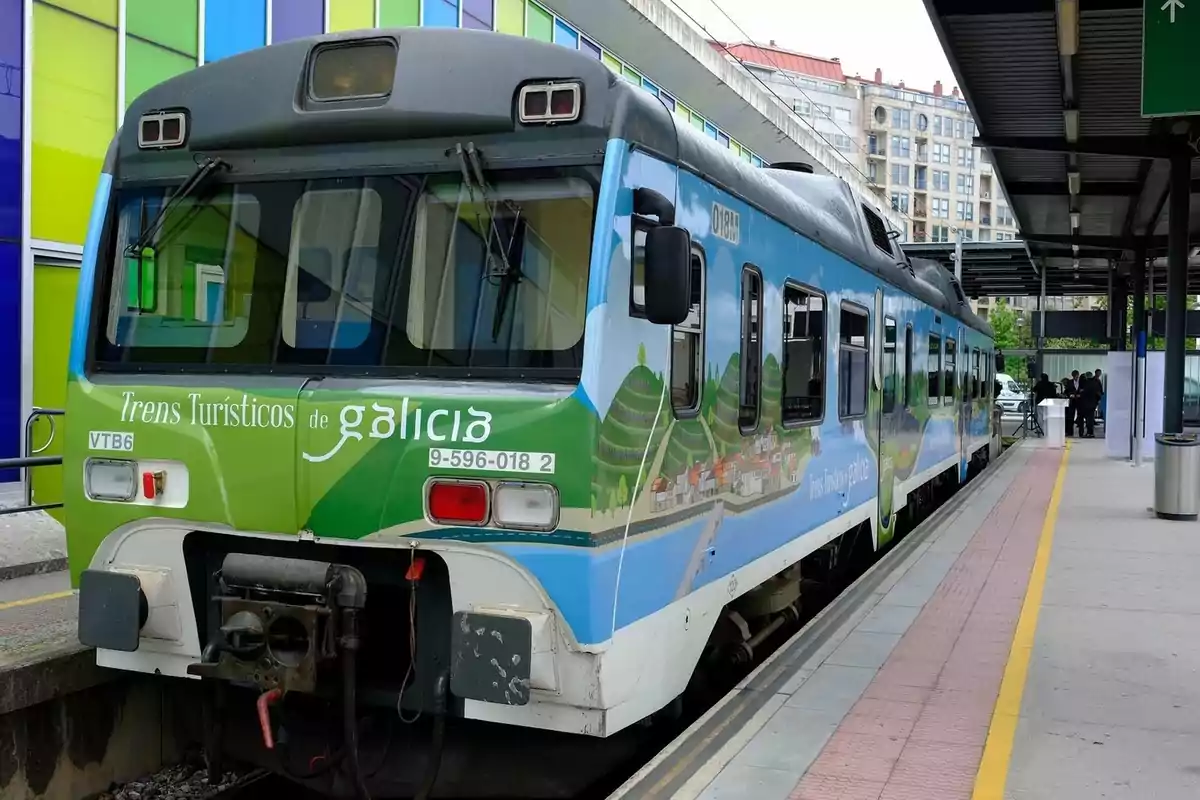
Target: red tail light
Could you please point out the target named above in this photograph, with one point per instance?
(458, 502)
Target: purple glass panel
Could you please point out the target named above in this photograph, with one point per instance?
(589, 47)
(295, 19)
(477, 14)
(10, 354)
(11, 20)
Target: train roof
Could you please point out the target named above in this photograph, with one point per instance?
(258, 100)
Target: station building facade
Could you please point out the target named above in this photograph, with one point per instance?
(68, 71)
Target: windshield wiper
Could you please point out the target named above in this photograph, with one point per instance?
(204, 170)
(509, 254)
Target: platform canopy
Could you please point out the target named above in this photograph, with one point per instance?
(990, 269)
(1055, 87)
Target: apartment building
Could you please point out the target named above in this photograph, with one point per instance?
(914, 147)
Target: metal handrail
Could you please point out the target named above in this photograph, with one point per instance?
(31, 459)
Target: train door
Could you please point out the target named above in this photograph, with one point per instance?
(965, 403)
(886, 432)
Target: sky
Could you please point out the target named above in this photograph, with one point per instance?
(893, 35)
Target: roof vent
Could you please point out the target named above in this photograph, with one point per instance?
(793, 166)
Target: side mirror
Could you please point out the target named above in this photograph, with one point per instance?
(668, 275)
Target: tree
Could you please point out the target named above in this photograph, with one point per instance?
(1012, 333)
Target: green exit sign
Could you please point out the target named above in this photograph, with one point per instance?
(1170, 58)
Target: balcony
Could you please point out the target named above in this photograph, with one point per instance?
(920, 212)
(985, 221)
(921, 157)
(919, 185)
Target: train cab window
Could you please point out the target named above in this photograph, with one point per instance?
(879, 234)
(909, 345)
(750, 394)
(803, 394)
(853, 358)
(935, 369)
(889, 365)
(687, 348)
(951, 379)
(637, 271)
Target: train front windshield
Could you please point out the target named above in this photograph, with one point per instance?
(417, 273)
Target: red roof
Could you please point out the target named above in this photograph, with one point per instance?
(788, 60)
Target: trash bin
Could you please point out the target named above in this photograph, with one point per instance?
(1176, 475)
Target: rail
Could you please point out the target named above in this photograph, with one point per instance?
(32, 459)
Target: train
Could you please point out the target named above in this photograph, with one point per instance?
(489, 395)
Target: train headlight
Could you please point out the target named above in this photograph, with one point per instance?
(525, 506)
(550, 103)
(110, 479)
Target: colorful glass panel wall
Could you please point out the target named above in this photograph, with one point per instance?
(399, 13)
(11, 32)
(74, 119)
(233, 26)
(539, 23)
(349, 15)
(440, 14)
(565, 35)
(295, 19)
(169, 24)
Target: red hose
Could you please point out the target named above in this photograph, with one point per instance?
(265, 700)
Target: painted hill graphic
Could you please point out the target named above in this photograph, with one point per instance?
(623, 437)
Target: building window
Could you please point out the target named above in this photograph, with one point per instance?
(880, 115)
(803, 390)
(853, 357)
(687, 356)
(966, 234)
(960, 129)
(842, 115)
(941, 180)
(901, 118)
(901, 146)
(751, 361)
(900, 174)
(949, 380)
(964, 210)
(940, 207)
(922, 122)
(934, 368)
(966, 156)
(873, 171)
(908, 365)
(803, 108)
(874, 147)
(1004, 216)
(823, 111)
(941, 153)
(889, 365)
(843, 142)
(966, 184)
(985, 236)
(900, 202)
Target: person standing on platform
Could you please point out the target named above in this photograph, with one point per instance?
(1044, 389)
(1089, 398)
(1102, 379)
(1071, 389)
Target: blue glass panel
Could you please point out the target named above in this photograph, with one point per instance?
(233, 26)
(10, 355)
(295, 19)
(11, 20)
(589, 47)
(756, 161)
(565, 35)
(710, 131)
(649, 87)
(440, 14)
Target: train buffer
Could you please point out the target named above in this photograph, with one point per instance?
(1039, 638)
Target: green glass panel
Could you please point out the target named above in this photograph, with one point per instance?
(74, 118)
(148, 65)
(100, 10)
(399, 13)
(632, 75)
(539, 23)
(510, 16)
(611, 62)
(350, 15)
(697, 122)
(171, 23)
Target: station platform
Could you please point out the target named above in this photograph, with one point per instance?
(1038, 637)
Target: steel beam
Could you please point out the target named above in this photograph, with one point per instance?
(1177, 253)
(1123, 146)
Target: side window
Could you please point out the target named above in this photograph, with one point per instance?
(853, 358)
(951, 373)
(909, 345)
(889, 365)
(687, 348)
(803, 355)
(637, 267)
(975, 373)
(751, 359)
(935, 369)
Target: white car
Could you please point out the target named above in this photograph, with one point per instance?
(1013, 396)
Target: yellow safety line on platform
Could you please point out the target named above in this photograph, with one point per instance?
(997, 753)
(41, 598)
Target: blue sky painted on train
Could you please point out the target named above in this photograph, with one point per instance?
(893, 35)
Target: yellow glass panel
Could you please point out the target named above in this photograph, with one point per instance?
(53, 309)
(350, 15)
(74, 119)
(100, 10)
